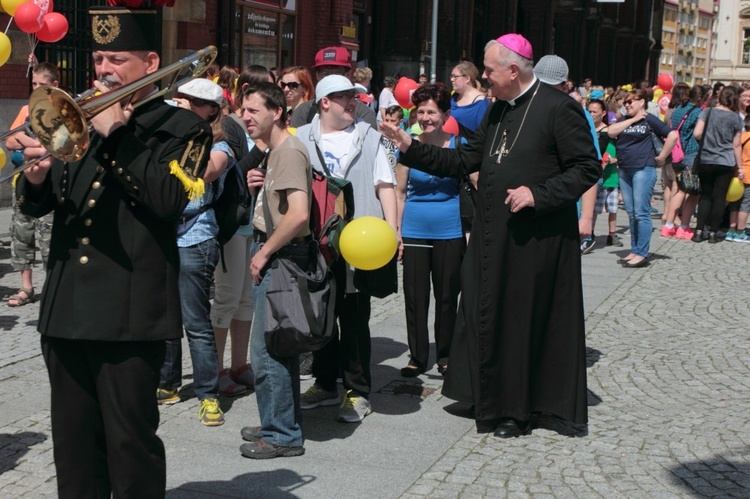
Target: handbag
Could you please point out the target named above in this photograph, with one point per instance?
(688, 180)
(300, 298)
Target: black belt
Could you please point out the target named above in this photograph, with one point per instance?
(262, 237)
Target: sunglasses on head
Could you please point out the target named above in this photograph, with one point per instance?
(293, 85)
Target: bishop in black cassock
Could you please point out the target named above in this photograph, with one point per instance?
(520, 350)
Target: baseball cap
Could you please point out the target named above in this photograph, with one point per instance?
(333, 56)
(596, 94)
(518, 44)
(334, 83)
(551, 70)
(202, 88)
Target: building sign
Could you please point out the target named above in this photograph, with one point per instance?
(349, 31)
(262, 24)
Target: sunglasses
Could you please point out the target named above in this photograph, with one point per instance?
(630, 101)
(342, 95)
(293, 85)
(453, 77)
(197, 102)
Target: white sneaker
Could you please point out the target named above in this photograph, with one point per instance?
(354, 408)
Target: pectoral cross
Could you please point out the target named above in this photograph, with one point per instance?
(502, 150)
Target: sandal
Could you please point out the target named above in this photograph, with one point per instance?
(21, 300)
(244, 376)
(227, 386)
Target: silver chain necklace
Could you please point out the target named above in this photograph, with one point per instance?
(501, 149)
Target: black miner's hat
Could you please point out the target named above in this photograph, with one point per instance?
(119, 29)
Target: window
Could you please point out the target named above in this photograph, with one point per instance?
(268, 35)
(746, 46)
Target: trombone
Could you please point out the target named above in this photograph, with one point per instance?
(60, 122)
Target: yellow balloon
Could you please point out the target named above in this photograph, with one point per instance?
(657, 94)
(3, 158)
(368, 243)
(4, 48)
(10, 6)
(735, 191)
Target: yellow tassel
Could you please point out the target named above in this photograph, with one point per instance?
(194, 188)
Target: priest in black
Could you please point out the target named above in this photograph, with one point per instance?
(519, 350)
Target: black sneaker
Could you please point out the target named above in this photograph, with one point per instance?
(698, 237)
(588, 245)
(713, 238)
(260, 449)
(614, 240)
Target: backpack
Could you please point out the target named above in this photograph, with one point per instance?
(332, 208)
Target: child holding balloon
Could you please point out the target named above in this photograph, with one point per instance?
(741, 236)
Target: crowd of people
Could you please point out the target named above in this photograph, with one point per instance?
(492, 216)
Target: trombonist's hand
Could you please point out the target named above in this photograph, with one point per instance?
(33, 149)
(112, 117)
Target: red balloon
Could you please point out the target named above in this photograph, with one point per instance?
(54, 29)
(29, 17)
(451, 126)
(403, 90)
(665, 81)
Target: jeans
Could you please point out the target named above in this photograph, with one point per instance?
(197, 264)
(637, 186)
(277, 388)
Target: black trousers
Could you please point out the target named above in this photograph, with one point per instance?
(349, 350)
(714, 184)
(440, 259)
(104, 417)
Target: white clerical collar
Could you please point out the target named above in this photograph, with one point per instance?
(512, 101)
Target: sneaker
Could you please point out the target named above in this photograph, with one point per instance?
(614, 240)
(167, 396)
(714, 238)
(730, 235)
(741, 238)
(251, 433)
(260, 449)
(305, 365)
(210, 414)
(315, 396)
(354, 408)
(668, 231)
(684, 233)
(587, 245)
(698, 236)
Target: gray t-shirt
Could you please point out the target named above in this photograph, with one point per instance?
(719, 136)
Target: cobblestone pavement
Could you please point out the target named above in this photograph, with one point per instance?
(668, 379)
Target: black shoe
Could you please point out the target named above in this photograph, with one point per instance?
(638, 265)
(698, 237)
(510, 428)
(412, 370)
(487, 426)
(263, 450)
(623, 261)
(715, 237)
(305, 365)
(587, 245)
(251, 433)
(442, 369)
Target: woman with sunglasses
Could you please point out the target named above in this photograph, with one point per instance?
(637, 160)
(297, 85)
